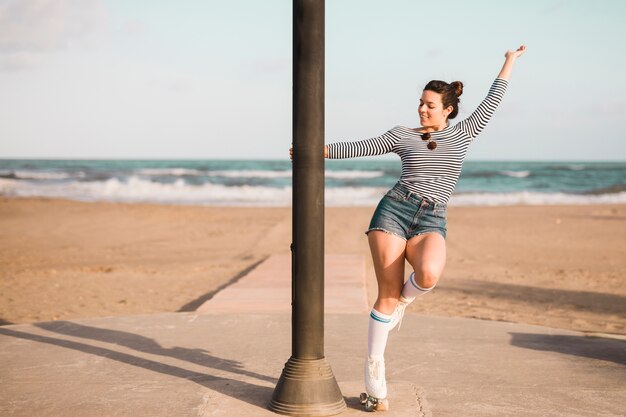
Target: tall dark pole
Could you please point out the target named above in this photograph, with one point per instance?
(307, 386)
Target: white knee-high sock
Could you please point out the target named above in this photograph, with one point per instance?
(377, 333)
(411, 289)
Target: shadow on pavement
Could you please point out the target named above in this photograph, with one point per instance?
(353, 403)
(611, 350)
(601, 303)
(145, 344)
(257, 395)
(195, 304)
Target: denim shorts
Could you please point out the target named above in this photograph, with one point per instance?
(405, 214)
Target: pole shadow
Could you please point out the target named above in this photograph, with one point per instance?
(144, 344)
(610, 350)
(194, 304)
(256, 395)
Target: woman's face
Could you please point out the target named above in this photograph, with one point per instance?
(431, 111)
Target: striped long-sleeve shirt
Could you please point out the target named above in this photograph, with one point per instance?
(431, 174)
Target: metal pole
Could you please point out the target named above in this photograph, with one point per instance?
(307, 386)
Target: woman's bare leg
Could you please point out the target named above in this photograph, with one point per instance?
(427, 255)
(388, 254)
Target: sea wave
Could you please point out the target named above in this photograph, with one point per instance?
(40, 175)
(534, 198)
(251, 173)
(576, 167)
(608, 190)
(177, 172)
(354, 174)
(287, 174)
(496, 174)
(515, 174)
(136, 189)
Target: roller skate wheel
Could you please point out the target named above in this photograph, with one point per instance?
(363, 398)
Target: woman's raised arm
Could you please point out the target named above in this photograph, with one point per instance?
(510, 57)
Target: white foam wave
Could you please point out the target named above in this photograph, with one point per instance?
(45, 175)
(516, 174)
(139, 190)
(169, 171)
(136, 189)
(532, 198)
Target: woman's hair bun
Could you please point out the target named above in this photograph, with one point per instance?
(449, 94)
(457, 87)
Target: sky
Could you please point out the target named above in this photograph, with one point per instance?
(209, 79)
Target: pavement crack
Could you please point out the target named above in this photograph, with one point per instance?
(422, 405)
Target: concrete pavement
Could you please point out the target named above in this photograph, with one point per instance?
(227, 364)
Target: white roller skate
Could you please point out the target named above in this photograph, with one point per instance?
(375, 399)
(373, 404)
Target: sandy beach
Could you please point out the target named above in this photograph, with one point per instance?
(558, 266)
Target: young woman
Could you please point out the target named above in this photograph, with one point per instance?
(410, 221)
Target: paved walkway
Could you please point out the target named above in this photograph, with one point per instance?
(267, 288)
(191, 364)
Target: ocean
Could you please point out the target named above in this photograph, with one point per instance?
(354, 182)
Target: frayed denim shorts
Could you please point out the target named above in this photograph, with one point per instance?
(405, 214)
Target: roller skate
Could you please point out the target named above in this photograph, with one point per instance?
(375, 397)
(373, 404)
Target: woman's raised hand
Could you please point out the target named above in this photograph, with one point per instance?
(509, 59)
(517, 53)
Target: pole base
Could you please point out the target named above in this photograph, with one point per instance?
(307, 387)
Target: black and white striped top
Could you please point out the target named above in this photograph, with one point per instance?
(431, 174)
